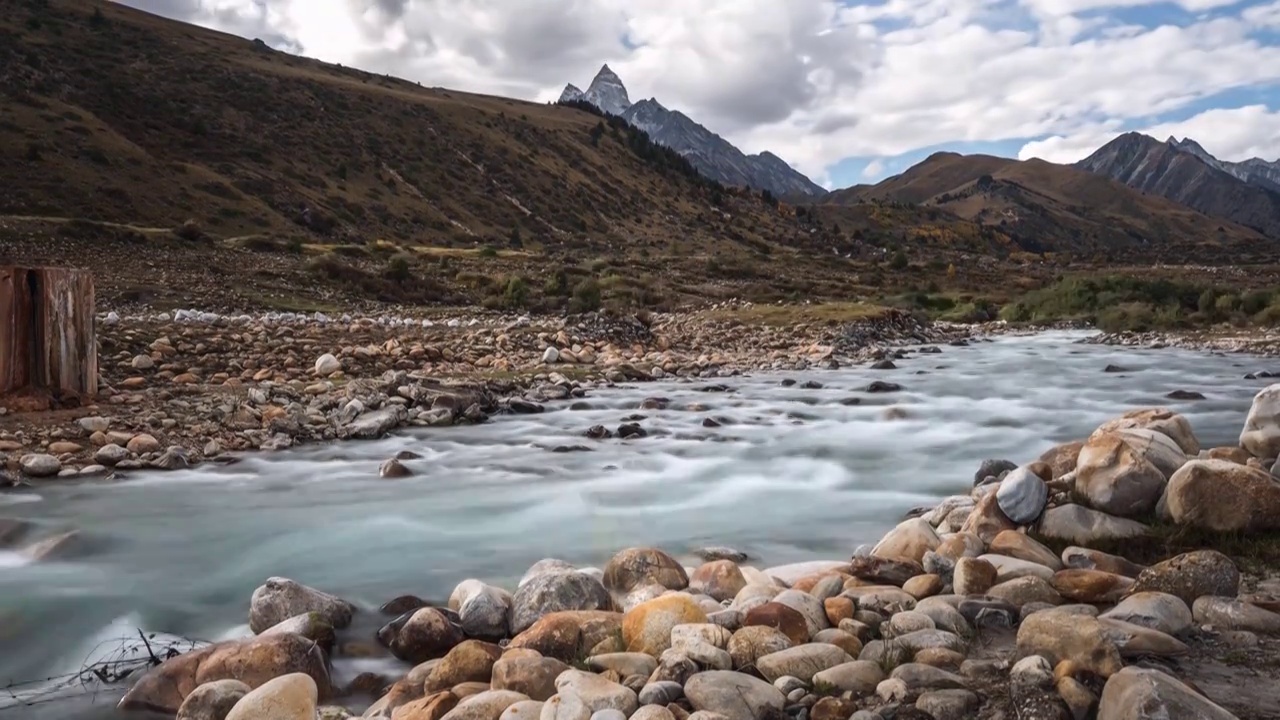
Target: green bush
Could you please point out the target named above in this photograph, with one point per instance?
(586, 296)
(1227, 304)
(517, 293)
(398, 269)
(488, 251)
(899, 261)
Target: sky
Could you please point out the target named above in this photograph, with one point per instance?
(846, 92)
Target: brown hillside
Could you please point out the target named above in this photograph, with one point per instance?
(188, 166)
(1043, 206)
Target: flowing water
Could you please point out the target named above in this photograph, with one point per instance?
(794, 474)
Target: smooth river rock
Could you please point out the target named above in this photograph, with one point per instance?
(557, 591)
(1022, 495)
(801, 662)
(288, 697)
(1156, 610)
(1191, 575)
(734, 695)
(279, 599)
(1143, 694)
(1222, 496)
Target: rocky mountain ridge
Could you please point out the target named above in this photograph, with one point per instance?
(712, 155)
(1182, 171)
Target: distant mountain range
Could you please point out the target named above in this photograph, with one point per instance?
(710, 154)
(1042, 206)
(1246, 192)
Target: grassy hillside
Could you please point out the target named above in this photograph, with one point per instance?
(1043, 207)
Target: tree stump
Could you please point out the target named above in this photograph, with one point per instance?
(48, 346)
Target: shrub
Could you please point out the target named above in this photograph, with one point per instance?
(189, 231)
(1227, 304)
(488, 251)
(398, 269)
(1136, 317)
(1208, 302)
(516, 294)
(899, 261)
(586, 296)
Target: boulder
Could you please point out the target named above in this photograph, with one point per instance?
(483, 609)
(312, 626)
(212, 700)
(279, 599)
(993, 467)
(987, 520)
(1223, 496)
(1084, 526)
(1229, 613)
(1090, 586)
(789, 621)
(1024, 590)
(637, 567)
(954, 704)
(734, 695)
(753, 642)
(595, 693)
(570, 635)
(1116, 474)
(554, 592)
(1022, 496)
(647, 627)
(1261, 433)
(1156, 610)
(523, 710)
(1144, 694)
(973, 576)
(486, 705)
(469, 661)
(719, 579)
(1011, 543)
(923, 586)
(1011, 568)
(40, 465)
(253, 661)
(1059, 636)
(910, 540)
(1089, 559)
(810, 607)
(288, 697)
(327, 365)
(801, 662)
(1161, 420)
(1061, 459)
(431, 707)
(1135, 641)
(528, 675)
(884, 571)
(1191, 575)
(422, 635)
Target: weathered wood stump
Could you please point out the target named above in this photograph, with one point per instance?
(47, 342)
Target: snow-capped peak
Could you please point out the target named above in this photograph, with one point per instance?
(607, 92)
(571, 93)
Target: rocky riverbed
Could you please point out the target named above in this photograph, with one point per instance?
(178, 389)
(968, 609)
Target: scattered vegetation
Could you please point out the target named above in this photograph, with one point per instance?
(1116, 303)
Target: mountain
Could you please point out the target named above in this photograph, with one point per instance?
(711, 154)
(1254, 170)
(1184, 172)
(1048, 207)
(262, 176)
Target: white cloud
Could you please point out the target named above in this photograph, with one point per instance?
(815, 81)
(874, 169)
(1263, 15)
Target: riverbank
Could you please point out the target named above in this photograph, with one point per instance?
(178, 389)
(1251, 341)
(1130, 573)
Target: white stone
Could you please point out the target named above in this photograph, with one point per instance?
(1022, 495)
(1261, 434)
(327, 364)
(550, 355)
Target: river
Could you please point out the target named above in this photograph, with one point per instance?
(793, 474)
